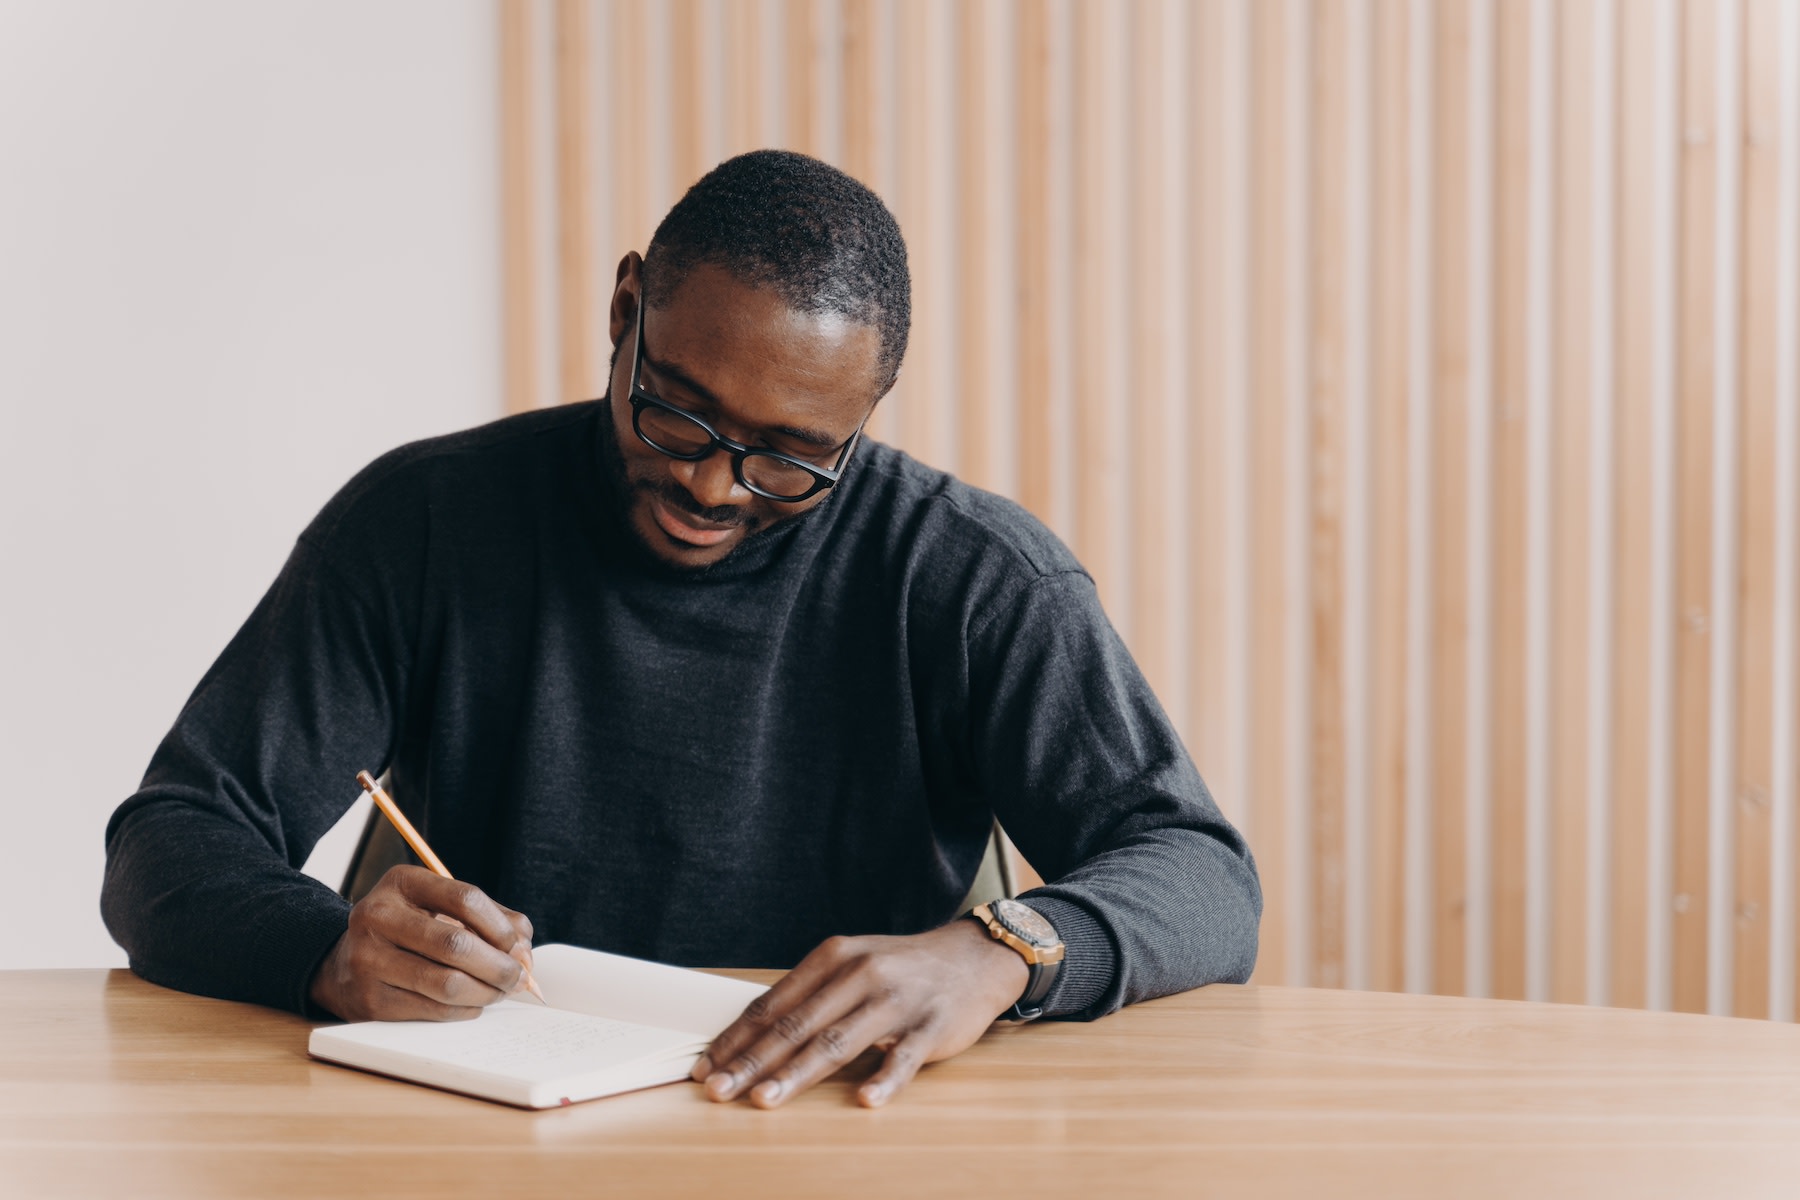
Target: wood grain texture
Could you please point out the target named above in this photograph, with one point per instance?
(1754, 653)
(111, 1086)
(1448, 493)
(1510, 483)
(1638, 254)
(518, 204)
(580, 323)
(1570, 545)
(1325, 456)
(1265, 625)
(1387, 449)
(1694, 486)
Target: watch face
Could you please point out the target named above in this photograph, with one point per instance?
(1026, 922)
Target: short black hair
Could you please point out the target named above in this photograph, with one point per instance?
(777, 219)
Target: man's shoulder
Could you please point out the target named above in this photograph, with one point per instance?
(928, 513)
(482, 464)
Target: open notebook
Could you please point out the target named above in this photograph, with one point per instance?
(616, 1024)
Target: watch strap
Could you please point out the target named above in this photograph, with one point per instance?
(1030, 1006)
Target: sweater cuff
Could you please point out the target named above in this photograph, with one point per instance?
(288, 950)
(1090, 961)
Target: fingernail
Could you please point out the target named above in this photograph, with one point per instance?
(874, 1094)
(768, 1091)
(719, 1084)
(702, 1069)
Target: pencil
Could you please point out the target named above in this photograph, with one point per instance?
(392, 812)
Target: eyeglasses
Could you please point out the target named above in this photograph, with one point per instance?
(681, 435)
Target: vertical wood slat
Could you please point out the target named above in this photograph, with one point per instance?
(1237, 189)
(1448, 496)
(1448, 492)
(974, 144)
(1784, 766)
(518, 205)
(1539, 351)
(1570, 546)
(1508, 656)
(1753, 657)
(687, 113)
(628, 79)
(1296, 587)
(1638, 257)
(1496, 318)
(1478, 839)
(1389, 450)
(577, 377)
(1721, 690)
(1600, 614)
(1161, 250)
(1694, 485)
(1420, 101)
(1358, 333)
(1145, 402)
(1322, 459)
(1266, 629)
(1065, 319)
(1659, 894)
(1037, 480)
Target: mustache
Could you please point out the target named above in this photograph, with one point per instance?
(679, 497)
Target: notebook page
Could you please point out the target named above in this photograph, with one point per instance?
(644, 993)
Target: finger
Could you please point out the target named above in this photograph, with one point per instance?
(903, 1060)
(451, 948)
(496, 925)
(393, 1003)
(833, 1046)
(818, 1016)
(813, 972)
(434, 980)
(520, 952)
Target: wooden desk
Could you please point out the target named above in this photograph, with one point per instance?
(112, 1087)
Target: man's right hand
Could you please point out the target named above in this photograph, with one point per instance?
(400, 961)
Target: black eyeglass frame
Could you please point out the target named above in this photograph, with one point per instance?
(822, 477)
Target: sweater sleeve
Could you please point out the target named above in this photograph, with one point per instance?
(1150, 888)
(203, 885)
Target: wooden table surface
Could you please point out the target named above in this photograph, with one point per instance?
(110, 1086)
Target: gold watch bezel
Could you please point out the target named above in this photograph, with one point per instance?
(1026, 950)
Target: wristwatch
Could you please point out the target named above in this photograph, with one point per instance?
(1025, 930)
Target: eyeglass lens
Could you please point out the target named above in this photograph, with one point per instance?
(679, 435)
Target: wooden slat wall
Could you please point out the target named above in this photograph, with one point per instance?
(1420, 379)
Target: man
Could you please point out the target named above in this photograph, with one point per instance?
(695, 673)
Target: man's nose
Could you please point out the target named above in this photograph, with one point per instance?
(711, 480)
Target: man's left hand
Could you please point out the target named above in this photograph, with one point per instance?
(919, 999)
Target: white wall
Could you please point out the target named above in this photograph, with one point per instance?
(244, 248)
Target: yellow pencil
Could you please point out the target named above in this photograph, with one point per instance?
(392, 812)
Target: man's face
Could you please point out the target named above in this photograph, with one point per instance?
(759, 373)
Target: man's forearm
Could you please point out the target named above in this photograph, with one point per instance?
(204, 905)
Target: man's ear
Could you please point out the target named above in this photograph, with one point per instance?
(628, 290)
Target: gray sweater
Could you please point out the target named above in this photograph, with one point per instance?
(811, 738)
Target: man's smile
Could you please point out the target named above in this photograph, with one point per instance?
(685, 527)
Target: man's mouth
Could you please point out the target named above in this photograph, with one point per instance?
(685, 527)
